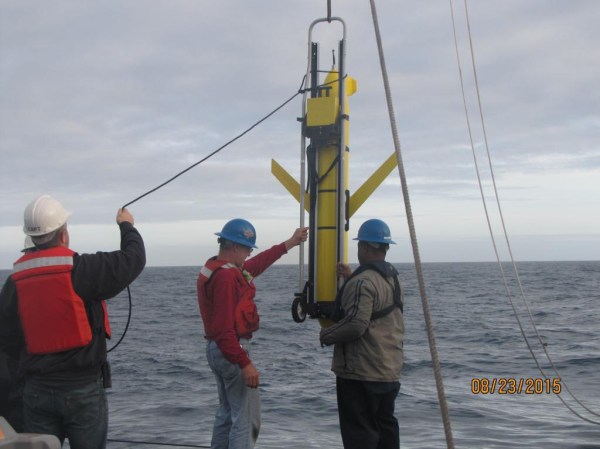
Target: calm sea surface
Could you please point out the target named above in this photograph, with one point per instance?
(163, 390)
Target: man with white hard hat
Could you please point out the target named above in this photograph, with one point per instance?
(53, 317)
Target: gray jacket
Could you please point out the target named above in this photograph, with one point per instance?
(367, 349)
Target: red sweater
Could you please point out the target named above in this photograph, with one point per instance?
(217, 306)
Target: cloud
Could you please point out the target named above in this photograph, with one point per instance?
(101, 102)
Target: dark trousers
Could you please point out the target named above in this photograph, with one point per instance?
(366, 411)
(79, 413)
(11, 392)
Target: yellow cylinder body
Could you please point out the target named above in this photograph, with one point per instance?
(324, 111)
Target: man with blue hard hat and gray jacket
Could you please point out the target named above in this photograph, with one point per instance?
(368, 337)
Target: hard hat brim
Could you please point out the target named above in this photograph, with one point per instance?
(235, 240)
(391, 242)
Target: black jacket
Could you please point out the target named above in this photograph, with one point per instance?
(96, 277)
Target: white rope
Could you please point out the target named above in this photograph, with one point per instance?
(413, 237)
(496, 196)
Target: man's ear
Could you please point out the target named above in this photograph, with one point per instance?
(64, 237)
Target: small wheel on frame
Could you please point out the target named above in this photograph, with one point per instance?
(298, 310)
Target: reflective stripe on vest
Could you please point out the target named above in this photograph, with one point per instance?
(42, 262)
(207, 272)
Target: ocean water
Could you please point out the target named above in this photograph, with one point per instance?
(164, 392)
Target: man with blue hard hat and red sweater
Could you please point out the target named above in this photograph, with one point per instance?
(226, 299)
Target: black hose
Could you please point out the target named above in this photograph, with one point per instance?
(126, 325)
(155, 444)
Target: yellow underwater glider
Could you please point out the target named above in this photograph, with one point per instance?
(323, 189)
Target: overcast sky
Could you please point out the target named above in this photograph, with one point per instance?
(102, 101)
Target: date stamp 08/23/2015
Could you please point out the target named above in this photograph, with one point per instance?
(514, 385)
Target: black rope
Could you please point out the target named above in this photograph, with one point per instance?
(218, 149)
(126, 325)
(331, 167)
(300, 91)
(329, 11)
(155, 444)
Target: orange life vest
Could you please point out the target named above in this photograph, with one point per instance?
(53, 316)
(246, 318)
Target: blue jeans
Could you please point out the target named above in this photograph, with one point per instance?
(79, 413)
(237, 421)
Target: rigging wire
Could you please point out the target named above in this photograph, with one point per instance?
(112, 440)
(409, 216)
(126, 325)
(243, 133)
(497, 198)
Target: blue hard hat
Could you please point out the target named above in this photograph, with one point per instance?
(239, 231)
(375, 231)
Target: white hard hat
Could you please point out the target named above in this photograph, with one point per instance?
(43, 216)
